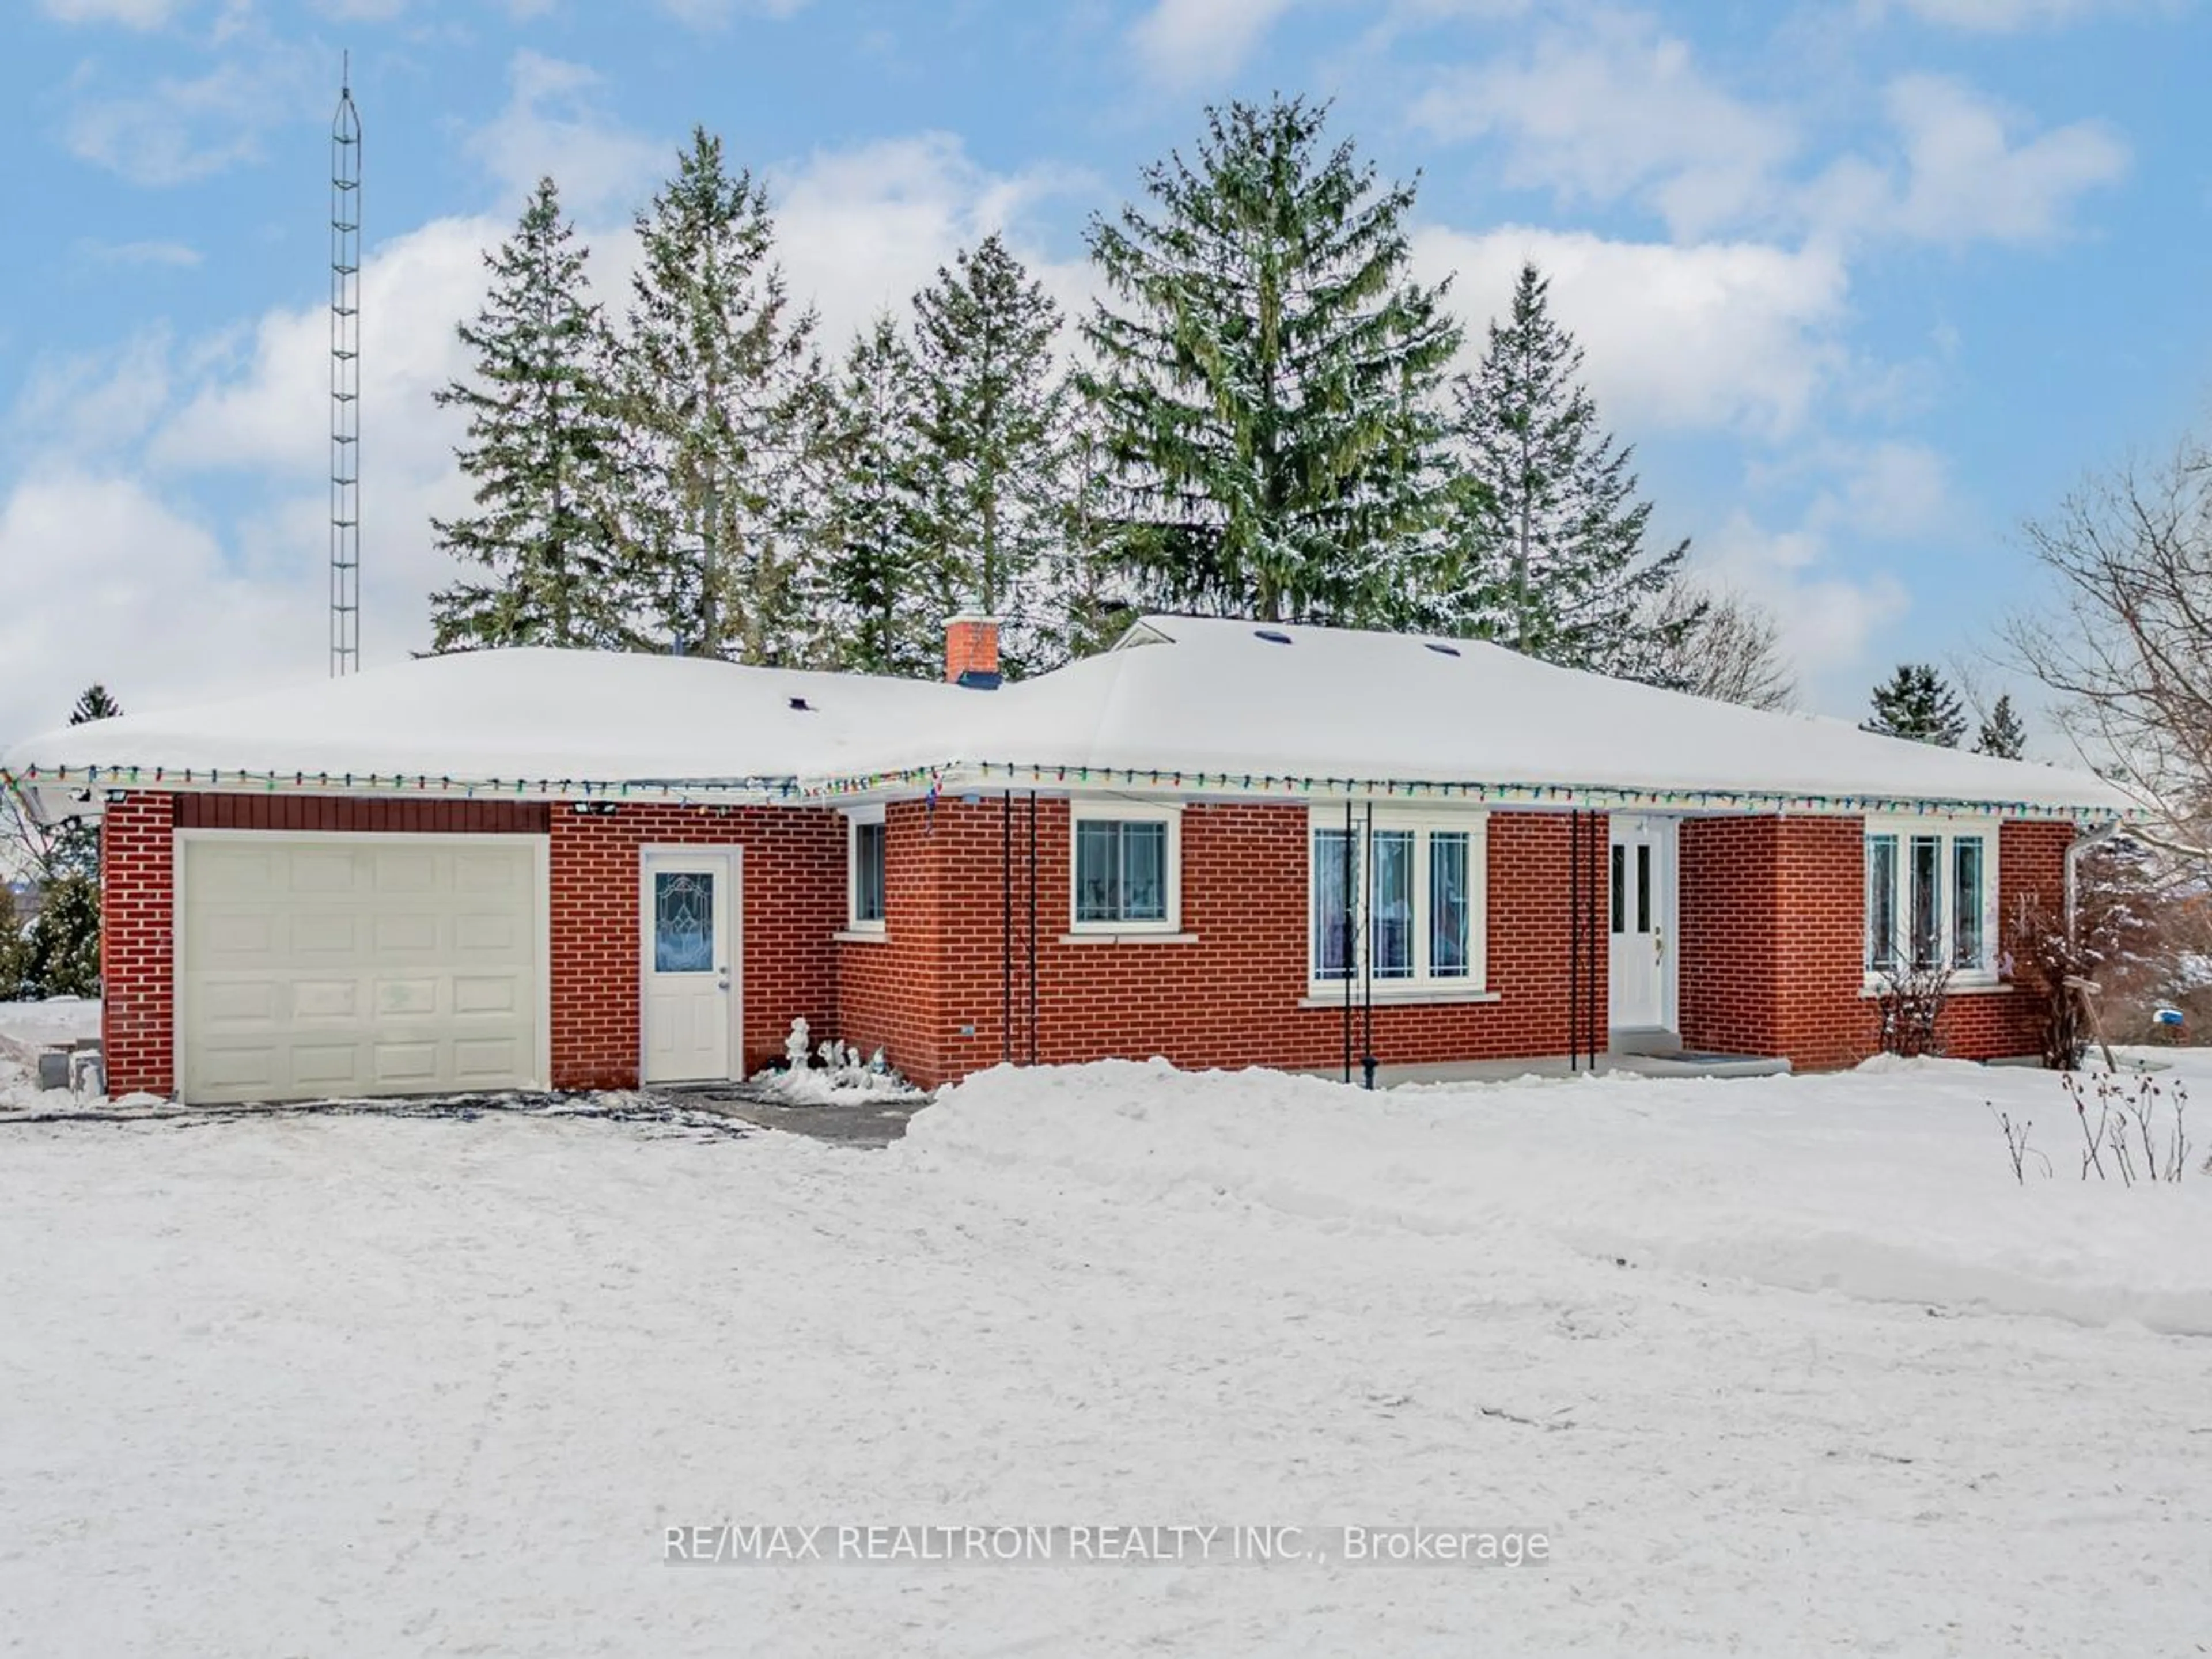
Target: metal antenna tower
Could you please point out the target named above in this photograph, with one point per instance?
(346, 378)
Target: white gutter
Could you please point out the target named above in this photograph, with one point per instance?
(2080, 845)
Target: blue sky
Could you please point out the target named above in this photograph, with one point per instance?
(1866, 282)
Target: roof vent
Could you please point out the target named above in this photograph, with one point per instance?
(1271, 636)
(1441, 650)
(801, 704)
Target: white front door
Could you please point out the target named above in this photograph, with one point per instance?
(1640, 898)
(687, 902)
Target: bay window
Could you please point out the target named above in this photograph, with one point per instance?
(1931, 897)
(1400, 904)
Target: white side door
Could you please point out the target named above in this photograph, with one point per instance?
(1640, 900)
(688, 905)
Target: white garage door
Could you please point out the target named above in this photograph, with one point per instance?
(342, 965)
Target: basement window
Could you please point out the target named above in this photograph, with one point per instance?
(1931, 898)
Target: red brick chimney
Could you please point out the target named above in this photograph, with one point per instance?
(971, 652)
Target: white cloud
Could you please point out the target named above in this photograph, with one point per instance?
(1892, 488)
(1885, 489)
(1188, 42)
(553, 123)
(108, 581)
(1828, 619)
(1992, 16)
(261, 412)
(862, 229)
(132, 13)
(266, 407)
(1965, 179)
(1725, 336)
(177, 129)
(1817, 576)
(718, 14)
(93, 403)
(1615, 108)
(178, 254)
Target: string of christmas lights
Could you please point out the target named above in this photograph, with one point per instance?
(939, 779)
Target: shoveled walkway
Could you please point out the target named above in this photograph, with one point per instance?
(871, 1123)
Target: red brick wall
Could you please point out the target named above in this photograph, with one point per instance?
(888, 990)
(138, 945)
(328, 813)
(1820, 896)
(936, 996)
(1773, 920)
(793, 884)
(1770, 938)
(1728, 931)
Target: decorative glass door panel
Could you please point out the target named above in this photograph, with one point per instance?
(682, 922)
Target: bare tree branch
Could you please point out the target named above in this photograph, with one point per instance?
(1728, 646)
(2128, 650)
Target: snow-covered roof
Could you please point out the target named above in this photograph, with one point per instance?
(1203, 705)
(532, 716)
(1209, 697)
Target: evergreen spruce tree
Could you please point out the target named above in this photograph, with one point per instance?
(94, 703)
(1914, 702)
(872, 515)
(1092, 597)
(39, 850)
(74, 847)
(2002, 733)
(541, 437)
(62, 950)
(15, 948)
(1269, 378)
(985, 333)
(1548, 553)
(722, 392)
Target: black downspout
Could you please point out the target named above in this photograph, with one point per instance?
(1346, 891)
(1367, 961)
(1034, 1016)
(1600, 920)
(1007, 929)
(1595, 919)
(1599, 917)
(1574, 941)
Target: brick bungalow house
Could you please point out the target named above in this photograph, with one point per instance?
(1225, 842)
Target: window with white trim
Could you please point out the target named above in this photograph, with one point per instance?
(1931, 896)
(865, 870)
(1404, 902)
(1127, 868)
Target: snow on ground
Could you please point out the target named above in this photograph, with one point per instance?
(1781, 1366)
(57, 1019)
(28, 1027)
